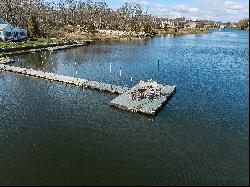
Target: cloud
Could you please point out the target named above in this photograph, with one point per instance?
(180, 9)
(233, 8)
(142, 2)
(183, 9)
(217, 10)
(193, 10)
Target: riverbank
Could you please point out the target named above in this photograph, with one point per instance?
(105, 35)
(180, 32)
(115, 35)
(30, 47)
(83, 38)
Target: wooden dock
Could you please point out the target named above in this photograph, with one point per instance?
(65, 79)
(145, 97)
(39, 48)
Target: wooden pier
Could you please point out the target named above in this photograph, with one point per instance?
(145, 97)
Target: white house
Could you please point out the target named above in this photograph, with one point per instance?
(222, 26)
(168, 24)
(190, 25)
(10, 32)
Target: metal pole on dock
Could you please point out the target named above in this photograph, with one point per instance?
(158, 63)
(158, 67)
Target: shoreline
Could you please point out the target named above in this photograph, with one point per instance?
(37, 48)
(92, 38)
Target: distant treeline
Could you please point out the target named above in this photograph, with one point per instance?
(243, 24)
(44, 17)
(48, 17)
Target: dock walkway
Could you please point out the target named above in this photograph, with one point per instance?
(65, 79)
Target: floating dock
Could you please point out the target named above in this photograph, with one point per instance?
(65, 79)
(145, 97)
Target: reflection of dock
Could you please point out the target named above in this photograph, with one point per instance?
(145, 97)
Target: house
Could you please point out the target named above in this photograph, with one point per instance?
(180, 22)
(222, 26)
(191, 25)
(168, 24)
(10, 32)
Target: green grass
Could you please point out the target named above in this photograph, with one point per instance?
(38, 41)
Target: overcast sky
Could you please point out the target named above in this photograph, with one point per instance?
(217, 10)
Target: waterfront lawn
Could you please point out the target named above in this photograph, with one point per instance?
(37, 41)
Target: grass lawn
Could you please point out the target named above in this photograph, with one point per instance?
(39, 41)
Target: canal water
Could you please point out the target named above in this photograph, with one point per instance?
(54, 134)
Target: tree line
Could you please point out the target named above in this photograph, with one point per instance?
(243, 24)
(43, 17)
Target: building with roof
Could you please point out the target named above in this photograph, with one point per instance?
(11, 32)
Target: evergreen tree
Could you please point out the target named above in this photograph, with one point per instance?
(33, 28)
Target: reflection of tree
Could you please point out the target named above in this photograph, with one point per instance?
(39, 61)
(34, 60)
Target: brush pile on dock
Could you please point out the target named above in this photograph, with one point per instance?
(146, 97)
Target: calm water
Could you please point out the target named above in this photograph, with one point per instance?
(55, 134)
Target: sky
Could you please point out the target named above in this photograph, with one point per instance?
(216, 10)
